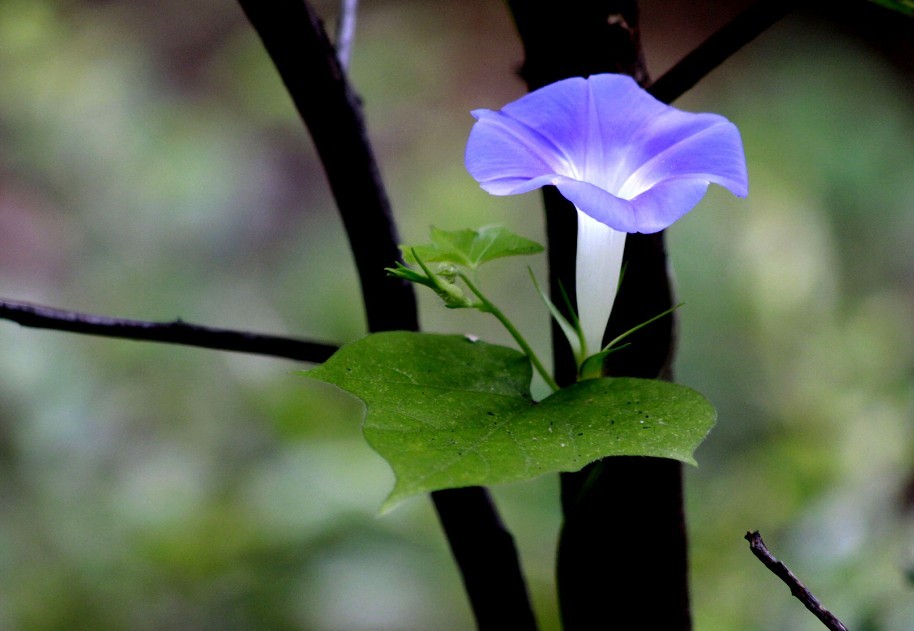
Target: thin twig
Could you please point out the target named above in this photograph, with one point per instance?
(796, 587)
(175, 332)
(345, 31)
(719, 47)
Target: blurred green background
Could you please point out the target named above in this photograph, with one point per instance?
(152, 167)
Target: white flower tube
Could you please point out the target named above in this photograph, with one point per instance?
(597, 268)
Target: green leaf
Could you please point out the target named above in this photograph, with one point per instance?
(471, 248)
(903, 6)
(447, 412)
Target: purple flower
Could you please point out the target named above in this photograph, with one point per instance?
(628, 163)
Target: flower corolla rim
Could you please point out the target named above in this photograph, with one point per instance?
(617, 153)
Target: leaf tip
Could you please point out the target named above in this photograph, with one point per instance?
(393, 500)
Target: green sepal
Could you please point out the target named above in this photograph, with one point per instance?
(592, 366)
(441, 283)
(573, 332)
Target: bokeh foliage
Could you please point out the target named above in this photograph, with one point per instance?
(152, 167)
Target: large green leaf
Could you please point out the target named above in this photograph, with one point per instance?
(446, 411)
(471, 248)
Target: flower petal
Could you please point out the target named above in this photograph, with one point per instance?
(579, 127)
(618, 214)
(613, 150)
(652, 211)
(617, 110)
(661, 205)
(677, 145)
(556, 112)
(502, 153)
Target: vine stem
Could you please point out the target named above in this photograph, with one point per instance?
(489, 307)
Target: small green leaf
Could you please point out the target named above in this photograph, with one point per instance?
(471, 248)
(448, 412)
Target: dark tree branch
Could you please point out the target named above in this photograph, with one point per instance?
(295, 39)
(175, 332)
(800, 591)
(488, 559)
(577, 38)
(624, 523)
(719, 47)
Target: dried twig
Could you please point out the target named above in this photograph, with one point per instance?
(760, 550)
(175, 332)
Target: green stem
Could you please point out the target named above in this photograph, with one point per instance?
(487, 306)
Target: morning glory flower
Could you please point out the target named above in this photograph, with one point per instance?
(628, 163)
